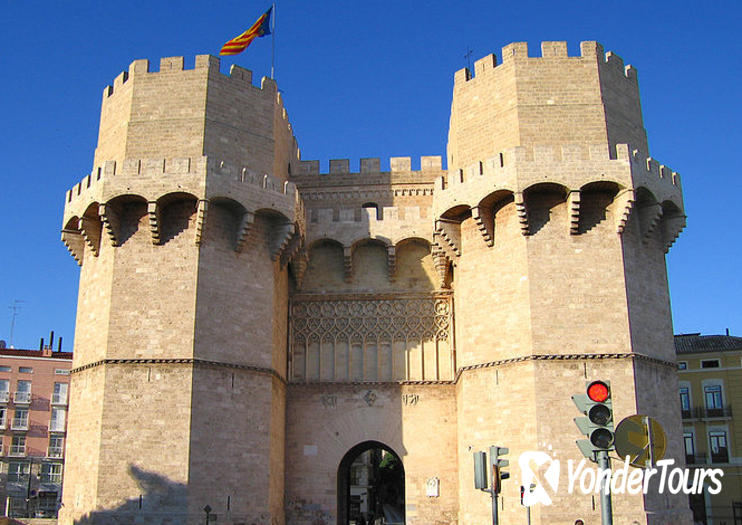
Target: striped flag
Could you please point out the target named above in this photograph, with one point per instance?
(238, 44)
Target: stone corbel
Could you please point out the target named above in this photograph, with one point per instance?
(74, 243)
(485, 220)
(573, 202)
(243, 231)
(520, 209)
(348, 263)
(450, 233)
(295, 244)
(299, 267)
(440, 263)
(201, 211)
(90, 231)
(282, 235)
(391, 262)
(110, 221)
(624, 203)
(650, 219)
(153, 212)
(671, 228)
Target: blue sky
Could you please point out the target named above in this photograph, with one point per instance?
(362, 79)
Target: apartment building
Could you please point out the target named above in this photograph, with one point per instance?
(710, 382)
(33, 417)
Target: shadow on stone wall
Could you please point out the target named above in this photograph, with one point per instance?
(162, 501)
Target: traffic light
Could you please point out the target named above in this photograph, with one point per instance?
(480, 470)
(498, 467)
(596, 404)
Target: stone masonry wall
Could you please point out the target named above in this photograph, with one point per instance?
(325, 421)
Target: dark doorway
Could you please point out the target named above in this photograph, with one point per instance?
(371, 486)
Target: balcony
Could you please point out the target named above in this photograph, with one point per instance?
(722, 456)
(706, 413)
(695, 459)
(19, 424)
(4, 396)
(55, 452)
(718, 413)
(22, 398)
(59, 399)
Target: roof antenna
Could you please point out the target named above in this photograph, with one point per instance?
(16, 307)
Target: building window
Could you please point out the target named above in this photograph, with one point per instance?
(4, 390)
(51, 473)
(710, 363)
(59, 397)
(18, 471)
(56, 447)
(4, 368)
(22, 392)
(3, 417)
(685, 401)
(20, 419)
(62, 372)
(690, 449)
(58, 419)
(719, 450)
(25, 370)
(682, 365)
(18, 446)
(714, 401)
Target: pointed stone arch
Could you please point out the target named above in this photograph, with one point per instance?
(344, 483)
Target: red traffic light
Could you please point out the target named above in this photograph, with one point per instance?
(598, 391)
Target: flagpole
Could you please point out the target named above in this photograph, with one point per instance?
(273, 43)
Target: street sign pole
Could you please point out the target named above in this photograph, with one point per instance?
(606, 506)
(650, 441)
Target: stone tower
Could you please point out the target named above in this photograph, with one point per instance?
(182, 232)
(246, 325)
(556, 223)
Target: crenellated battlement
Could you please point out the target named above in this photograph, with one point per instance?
(186, 112)
(551, 99)
(572, 166)
(551, 51)
(239, 76)
(372, 165)
(202, 177)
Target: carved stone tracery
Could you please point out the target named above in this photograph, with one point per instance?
(419, 318)
(398, 323)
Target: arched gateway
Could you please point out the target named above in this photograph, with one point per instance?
(370, 485)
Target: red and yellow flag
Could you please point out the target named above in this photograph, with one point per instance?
(238, 44)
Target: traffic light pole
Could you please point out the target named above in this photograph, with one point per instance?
(606, 507)
(495, 518)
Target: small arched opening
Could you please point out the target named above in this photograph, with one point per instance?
(371, 486)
